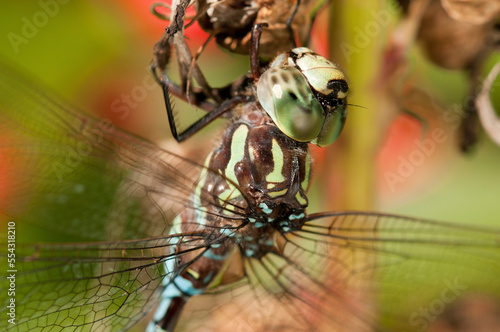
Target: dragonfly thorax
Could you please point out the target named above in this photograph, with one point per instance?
(253, 184)
(263, 170)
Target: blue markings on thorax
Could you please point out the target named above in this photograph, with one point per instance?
(258, 224)
(296, 216)
(230, 231)
(257, 249)
(265, 208)
(285, 226)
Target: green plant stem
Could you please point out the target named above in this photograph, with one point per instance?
(349, 23)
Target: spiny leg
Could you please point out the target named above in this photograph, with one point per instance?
(214, 101)
(254, 50)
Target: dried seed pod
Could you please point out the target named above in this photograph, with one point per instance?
(452, 43)
(472, 11)
(232, 21)
(458, 35)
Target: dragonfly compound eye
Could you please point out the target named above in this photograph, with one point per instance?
(335, 105)
(285, 95)
(305, 95)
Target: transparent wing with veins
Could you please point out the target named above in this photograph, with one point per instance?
(358, 271)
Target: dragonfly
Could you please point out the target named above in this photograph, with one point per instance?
(228, 238)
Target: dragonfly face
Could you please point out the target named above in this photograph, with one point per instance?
(305, 95)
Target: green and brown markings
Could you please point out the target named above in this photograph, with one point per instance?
(253, 189)
(263, 168)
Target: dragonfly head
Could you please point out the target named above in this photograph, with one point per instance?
(306, 96)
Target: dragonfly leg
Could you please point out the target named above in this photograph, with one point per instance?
(215, 101)
(254, 50)
(188, 67)
(205, 120)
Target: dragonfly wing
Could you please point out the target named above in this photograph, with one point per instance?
(355, 271)
(87, 287)
(68, 172)
(382, 270)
